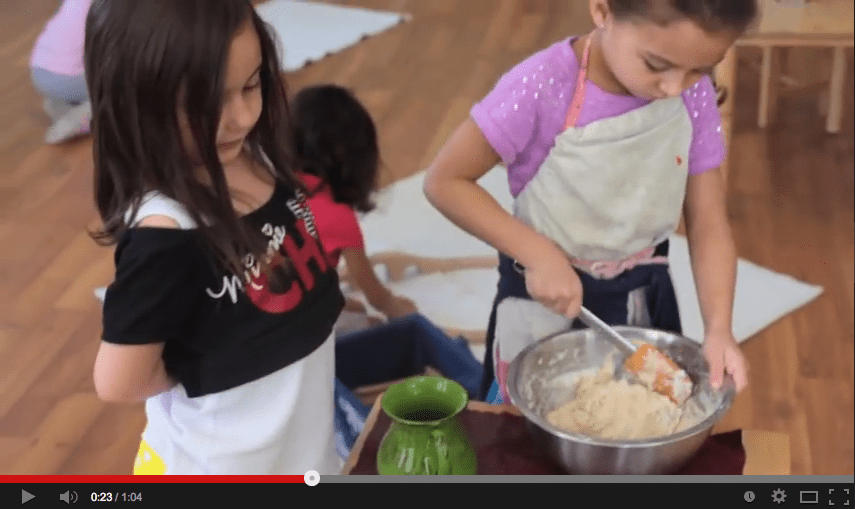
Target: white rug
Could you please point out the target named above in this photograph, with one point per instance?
(309, 31)
(404, 221)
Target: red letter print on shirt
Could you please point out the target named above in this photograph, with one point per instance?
(260, 293)
(281, 245)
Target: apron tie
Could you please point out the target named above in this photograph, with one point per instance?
(609, 269)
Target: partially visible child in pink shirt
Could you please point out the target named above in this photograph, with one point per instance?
(336, 144)
(57, 71)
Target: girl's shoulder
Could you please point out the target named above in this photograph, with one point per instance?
(529, 100)
(543, 81)
(554, 65)
(160, 253)
(701, 101)
(702, 93)
(157, 204)
(147, 242)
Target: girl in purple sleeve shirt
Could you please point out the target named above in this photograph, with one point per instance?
(56, 67)
(608, 138)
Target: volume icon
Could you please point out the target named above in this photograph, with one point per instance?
(69, 497)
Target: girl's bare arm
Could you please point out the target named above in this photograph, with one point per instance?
(378, 295)
(451, 186)
(130, 373)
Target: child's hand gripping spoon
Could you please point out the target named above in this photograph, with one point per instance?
(667, 378)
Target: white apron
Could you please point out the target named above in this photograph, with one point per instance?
(609, 191)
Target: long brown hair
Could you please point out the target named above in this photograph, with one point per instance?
(139, 55)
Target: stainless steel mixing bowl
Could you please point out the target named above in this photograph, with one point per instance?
(537, 384)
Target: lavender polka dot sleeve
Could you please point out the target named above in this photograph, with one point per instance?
(523, 114)
(707, 151)
(509, 116)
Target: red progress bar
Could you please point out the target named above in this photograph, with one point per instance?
(134, 479)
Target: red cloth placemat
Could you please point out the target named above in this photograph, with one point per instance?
(504, 447)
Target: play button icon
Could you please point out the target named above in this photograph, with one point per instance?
(26, 496)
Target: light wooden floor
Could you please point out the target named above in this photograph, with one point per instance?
(791, 203)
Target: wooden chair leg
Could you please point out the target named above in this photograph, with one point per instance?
(726, 81)
(765, 83)
(779, 59)
(769, 77)
(835, 91)
(727, 135)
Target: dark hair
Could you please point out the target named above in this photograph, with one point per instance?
(139, 57)
(711, 15)
(336, 140)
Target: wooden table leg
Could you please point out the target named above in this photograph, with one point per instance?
(360, 441)
(838, 81)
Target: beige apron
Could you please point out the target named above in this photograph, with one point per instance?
(606, 191)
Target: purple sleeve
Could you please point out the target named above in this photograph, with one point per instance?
(507, 116)
(707, 150)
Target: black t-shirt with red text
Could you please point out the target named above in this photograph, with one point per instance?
(222, 330)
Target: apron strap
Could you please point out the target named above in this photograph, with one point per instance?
(579, 93)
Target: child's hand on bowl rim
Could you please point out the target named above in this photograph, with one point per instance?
(725, 357)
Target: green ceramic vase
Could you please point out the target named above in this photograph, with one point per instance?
(425, 437)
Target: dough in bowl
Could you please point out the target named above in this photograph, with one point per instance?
(611, 409)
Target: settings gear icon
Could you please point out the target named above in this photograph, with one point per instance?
(778, 496)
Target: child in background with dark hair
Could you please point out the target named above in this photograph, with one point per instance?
(336, 144)
(221, 313)
(336, 141)
(607, 138)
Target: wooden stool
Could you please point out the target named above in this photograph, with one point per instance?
(797, 24)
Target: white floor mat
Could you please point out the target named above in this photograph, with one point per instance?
(405, 221)
(309, 31)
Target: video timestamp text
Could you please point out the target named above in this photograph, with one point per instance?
(106, 496)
